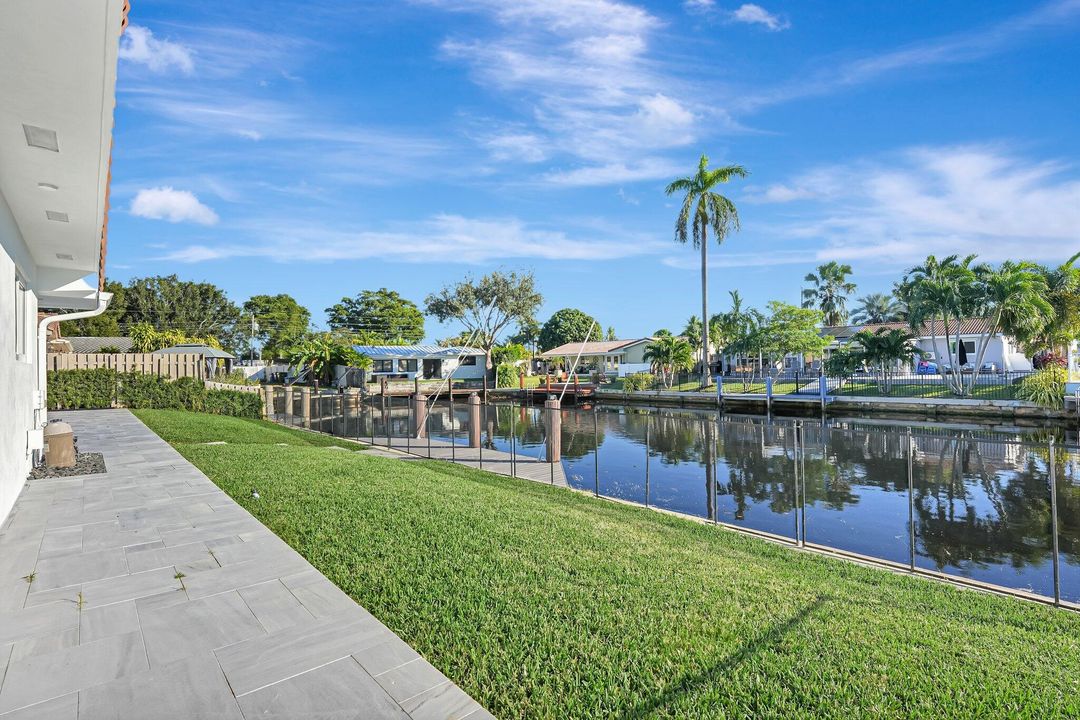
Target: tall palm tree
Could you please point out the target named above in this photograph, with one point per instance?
(704, 209)
(1063, 292)
(876, 308)
(830, 291)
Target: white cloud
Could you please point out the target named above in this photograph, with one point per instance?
(138, 45)
(585, 73)
(442, 239)
(756, 15)
(615, 173)
(963, 47)
(166, 203)
(697, 6)
(943, 200)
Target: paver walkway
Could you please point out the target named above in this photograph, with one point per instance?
(146, 592)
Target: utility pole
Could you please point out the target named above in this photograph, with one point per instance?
(251, 344)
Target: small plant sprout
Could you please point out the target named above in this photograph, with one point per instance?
(80, 601)
(30, 578)
(180, 576)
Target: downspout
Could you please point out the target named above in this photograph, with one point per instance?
(40, 417)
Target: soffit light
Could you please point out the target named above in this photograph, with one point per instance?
(57, 216)
(40, 137)
(64, 256)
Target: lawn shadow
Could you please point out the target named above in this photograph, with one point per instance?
(691, 682)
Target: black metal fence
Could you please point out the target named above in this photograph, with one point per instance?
(976, 507)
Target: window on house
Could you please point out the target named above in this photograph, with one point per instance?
(406, 365)
(969, 347)
(468, 360)
(382, 366)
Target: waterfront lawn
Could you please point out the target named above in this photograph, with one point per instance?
(546, 603)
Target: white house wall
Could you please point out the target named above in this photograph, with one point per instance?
(17, 376)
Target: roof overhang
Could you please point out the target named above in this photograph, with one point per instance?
(58, 82)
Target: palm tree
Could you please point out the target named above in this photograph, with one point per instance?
(703, 209)
(876, 308)
(830, 291)
(1063, 292)
(941, 289)
(883, 351)
(669, 355)
(1012, 298)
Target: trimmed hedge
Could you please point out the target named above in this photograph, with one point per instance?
(104, 388)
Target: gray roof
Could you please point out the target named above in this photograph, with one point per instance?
(418, 352)
(94, 344)
(205, 350)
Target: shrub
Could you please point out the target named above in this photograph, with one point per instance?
(1049, 359)
(506, 376)
(81, 389)
(236, 377)
(234, 402)
(100, 388)
(1045, 387)
(639, 381)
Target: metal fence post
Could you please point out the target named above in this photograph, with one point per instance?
(513, 440)
(389, 406)
(427, 429)
(795, 462)
(453, 430)
(409, 421)
(648, 421)
(802, 477)
(1054, 521)
(482, 414)
(596, 452)
(911, 498)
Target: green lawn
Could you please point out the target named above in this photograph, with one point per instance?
(546, 603)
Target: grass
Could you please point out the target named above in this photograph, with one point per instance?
(546, 603)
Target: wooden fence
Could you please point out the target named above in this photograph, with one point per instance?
(170, 365)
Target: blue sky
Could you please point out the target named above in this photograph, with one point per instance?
(325, 148)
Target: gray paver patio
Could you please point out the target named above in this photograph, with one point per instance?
(147, 592)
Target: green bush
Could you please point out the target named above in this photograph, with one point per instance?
(81, 389)
(506, 376)
(234, 403)
(639, 381)
(99, 388)
(1045, 387)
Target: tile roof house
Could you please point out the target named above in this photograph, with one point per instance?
(618, 357)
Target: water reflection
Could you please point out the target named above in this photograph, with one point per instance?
(981, 500)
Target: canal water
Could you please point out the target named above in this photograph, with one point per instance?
(981, 501)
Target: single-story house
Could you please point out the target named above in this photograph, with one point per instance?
(1003, 351)
(613, 357)
(210, 356)
(58, 84)
(79, 344)
(428, 362)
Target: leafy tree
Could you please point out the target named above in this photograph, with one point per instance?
(319, 353)
(379, 317)
(197, 309)
(669, 355)
(791, 330)
(280, 320)
(509, 354)
(877, 308)
(145, 338)
(662, 332)
(566, 326)
(610, 334)
(830, 291)
(703, 209)
(487, 306)
(107, 324)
